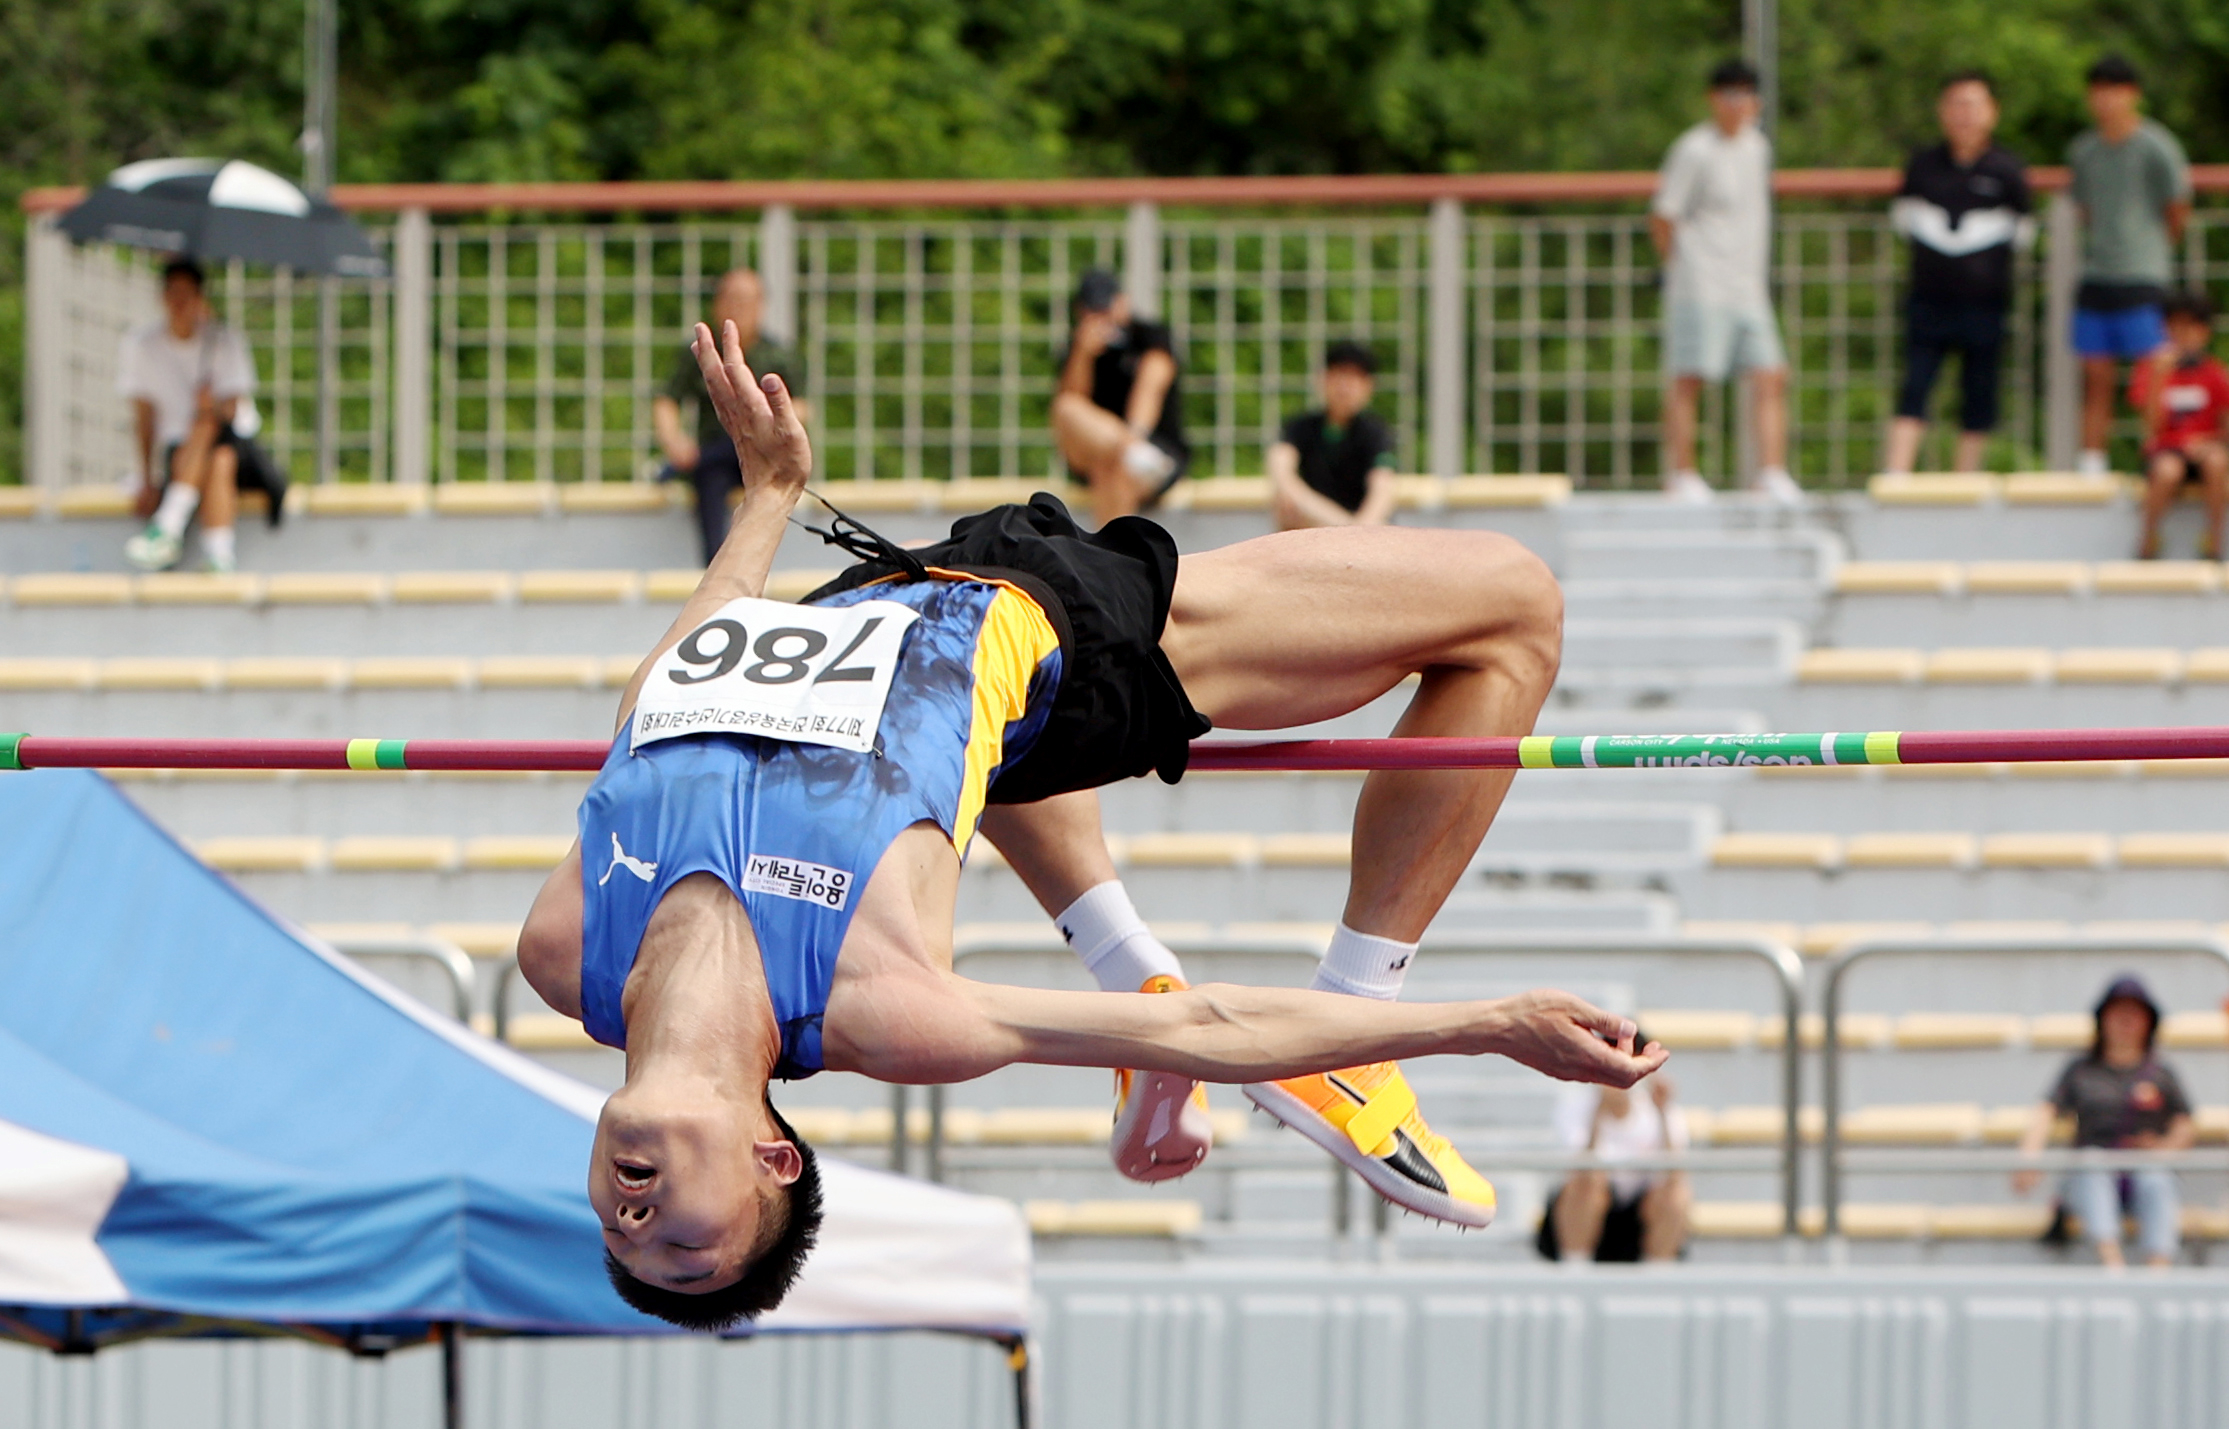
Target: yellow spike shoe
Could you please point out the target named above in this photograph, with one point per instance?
(1367, 1117)
(1161, 1126)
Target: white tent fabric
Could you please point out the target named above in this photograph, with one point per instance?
(53, 1197)
(898, 1252)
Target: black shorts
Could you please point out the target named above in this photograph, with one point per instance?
(254, 471)
(2193, 473)
(1120, 710)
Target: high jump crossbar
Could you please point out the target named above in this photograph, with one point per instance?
(1590, 751)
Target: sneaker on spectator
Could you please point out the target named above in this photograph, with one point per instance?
(154, 549)
(1148, 463)
(1689, 489)
(1775, 485)
(223, 565)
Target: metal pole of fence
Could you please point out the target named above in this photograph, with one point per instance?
(1141, 259)
(45, 395)
(413, 346)
(454, 962)
(777, 269)
(1869, 948)
(2062, 375)
(1445, 365)
(898, 1112)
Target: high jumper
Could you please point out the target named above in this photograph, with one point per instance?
(768, 863)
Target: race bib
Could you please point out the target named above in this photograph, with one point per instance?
(804, 673)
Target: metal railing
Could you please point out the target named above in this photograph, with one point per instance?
(1868, 949)
(1509, 339)
(453, 962)
(1786, 969)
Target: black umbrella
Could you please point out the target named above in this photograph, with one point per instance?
(222, 208)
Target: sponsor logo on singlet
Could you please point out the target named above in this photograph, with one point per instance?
(798, 879)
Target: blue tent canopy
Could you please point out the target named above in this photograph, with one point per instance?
(306, 1147)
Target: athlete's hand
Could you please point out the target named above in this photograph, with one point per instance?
(757, 412)
(1571, 1040)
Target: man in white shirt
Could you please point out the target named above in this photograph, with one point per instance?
(189, 380)
(1712, 226)
(1611, 1214)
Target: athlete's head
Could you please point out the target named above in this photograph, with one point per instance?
(708, 1208)
(1349, 380)
(1733, 94)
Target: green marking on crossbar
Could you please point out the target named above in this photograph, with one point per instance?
(11, 751)
(1700, 751)
(376, 754)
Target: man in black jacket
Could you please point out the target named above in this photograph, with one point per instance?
(1964, 206)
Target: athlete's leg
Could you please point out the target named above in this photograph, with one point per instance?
(1306, 625)
(1161, 1129)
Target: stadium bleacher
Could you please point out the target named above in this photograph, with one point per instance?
(519, 611)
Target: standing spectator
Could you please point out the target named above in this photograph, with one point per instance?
(1618, 1215)
(707, 458)
(1712, 226)
(190, 381)
(2122, 1097)
(1334, 466)
(1118, 414)
(2133, 185)
(2183, 392)
(1965, 206)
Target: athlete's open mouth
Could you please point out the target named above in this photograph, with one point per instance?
(634, 1175)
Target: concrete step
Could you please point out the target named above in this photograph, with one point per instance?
(337, 631)
(1994, 532)
(1647, 510)
(1797, 555)
(1951, 895)
(2179, 622)
(1609, 598)
(1639, 650)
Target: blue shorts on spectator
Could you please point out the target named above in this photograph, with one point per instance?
(1713, 341)
(2123, 333)
(2099, 1198)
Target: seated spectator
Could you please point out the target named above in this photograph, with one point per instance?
(1619, 1215)
(190, 381)
(2183, 392)
(707, 457)
(1118, 414)
(2123, 1098)
(1334, 466)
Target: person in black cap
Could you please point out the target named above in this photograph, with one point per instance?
(1334, 466)
(1118, 414)
(2122, 1098)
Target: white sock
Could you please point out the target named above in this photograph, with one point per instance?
(2091, 462)
(180, 501)
(216, 544)
(1364, 965)
(1774, 473)
(1105, 932)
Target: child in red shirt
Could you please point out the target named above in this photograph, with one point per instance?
(2183, 392)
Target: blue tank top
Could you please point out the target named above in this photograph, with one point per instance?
(795, 830)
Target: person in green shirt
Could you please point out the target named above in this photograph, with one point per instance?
(705, 455)
(2133, 186)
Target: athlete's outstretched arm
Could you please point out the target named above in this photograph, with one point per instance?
(777, 459)
(1220, 1033)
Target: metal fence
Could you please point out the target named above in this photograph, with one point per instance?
(929, 346)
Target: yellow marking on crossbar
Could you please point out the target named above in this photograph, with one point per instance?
(1537, 751)
(363, 754)
(1880, 746)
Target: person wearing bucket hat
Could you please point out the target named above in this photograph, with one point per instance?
(2122, 1098)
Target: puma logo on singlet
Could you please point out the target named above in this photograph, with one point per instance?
(620, 858)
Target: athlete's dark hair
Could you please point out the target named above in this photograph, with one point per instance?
(2113, 69)
(765, 1281)
(2189, 303)
(185, 268)
(1348, 353)
(1968, 76)
(1734, 74)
